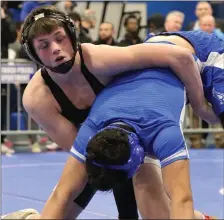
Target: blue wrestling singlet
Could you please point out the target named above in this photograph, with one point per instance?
(152, 101)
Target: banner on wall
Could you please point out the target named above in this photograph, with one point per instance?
(17, 72)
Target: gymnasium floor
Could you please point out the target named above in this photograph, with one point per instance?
(28, 179)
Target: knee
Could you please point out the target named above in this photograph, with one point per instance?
(179, 194)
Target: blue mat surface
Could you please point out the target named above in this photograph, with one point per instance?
(28, 179)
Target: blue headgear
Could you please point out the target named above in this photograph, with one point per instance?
(137, 153)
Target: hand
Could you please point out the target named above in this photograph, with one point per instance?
(207, 114)
(22, 214)
(201, 107)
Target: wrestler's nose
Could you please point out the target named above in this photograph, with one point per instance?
(55, 48)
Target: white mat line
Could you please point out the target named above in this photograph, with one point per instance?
(31, 165)
(42, 201)
(207, 160)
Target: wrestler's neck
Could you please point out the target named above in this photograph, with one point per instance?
(69, 77)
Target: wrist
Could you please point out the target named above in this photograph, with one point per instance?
(33, 216)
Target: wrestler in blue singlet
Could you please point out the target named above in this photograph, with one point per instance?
(151, 101)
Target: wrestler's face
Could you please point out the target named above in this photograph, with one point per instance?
(54, 48)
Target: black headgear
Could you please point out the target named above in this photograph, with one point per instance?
(68, 24)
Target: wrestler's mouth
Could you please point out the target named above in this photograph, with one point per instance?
(59, 59)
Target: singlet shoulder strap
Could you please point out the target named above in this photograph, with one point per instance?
(57, 92)
(96, 85)
(69, 111)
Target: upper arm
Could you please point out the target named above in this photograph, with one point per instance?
(78, 150)
(57, 127)
(110, 60)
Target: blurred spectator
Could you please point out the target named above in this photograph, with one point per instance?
(8, 31)
(15, 47)
(174, 21)
(88, 21)
(15, 9)
(28, 6)
(8, 35)
(156, 23)
(219, 140)
(131, 37)
(196, 141)
(66, 6)
(80, 33)
(202, 9)
(220, 24)
(14, 4)
(16, 50)
(106, 33)
(207, 24)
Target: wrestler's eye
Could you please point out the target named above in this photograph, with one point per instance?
(60, 39)
(43, 46)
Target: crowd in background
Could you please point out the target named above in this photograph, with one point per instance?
(13, 15)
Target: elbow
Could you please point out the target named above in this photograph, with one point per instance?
(180, 58)
(185, 57)
(29, 107)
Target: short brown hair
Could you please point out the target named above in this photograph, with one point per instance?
(43, 25)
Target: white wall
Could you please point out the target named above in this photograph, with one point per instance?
(113, 14)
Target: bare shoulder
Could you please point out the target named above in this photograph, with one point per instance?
(90, 50)
(94, 57)
(37, 96)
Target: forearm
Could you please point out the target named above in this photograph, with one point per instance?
(57, 206)
(186, 69)
(72, 182)
(60, 204)
(183, 64)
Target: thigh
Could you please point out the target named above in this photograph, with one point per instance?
(176, 177)
(152, 201)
